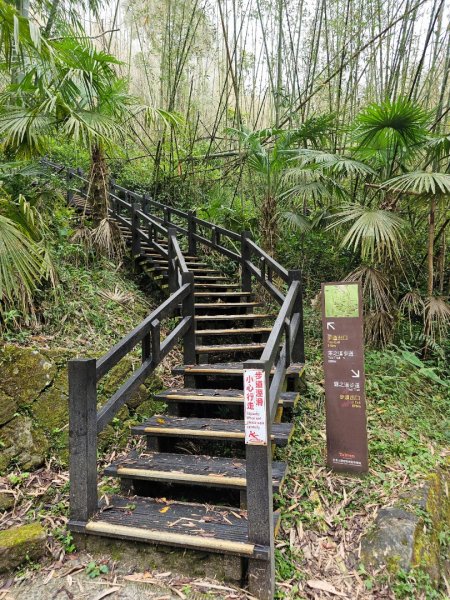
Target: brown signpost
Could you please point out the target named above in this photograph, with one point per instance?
(343, 354)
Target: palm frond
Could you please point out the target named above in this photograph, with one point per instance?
(296, 221)
(20, 264)
(436, 318)
(337, 164)
(391, 122)
(420, 182)
(376, 232)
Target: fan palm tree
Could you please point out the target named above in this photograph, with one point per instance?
(270, 161)
(393, 137)
(77, 94)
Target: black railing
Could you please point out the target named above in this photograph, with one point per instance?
(151, 222)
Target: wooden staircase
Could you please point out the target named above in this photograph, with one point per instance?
(219, 488)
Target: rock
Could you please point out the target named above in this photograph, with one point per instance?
(390, 544)
(23, 444)
(8, 408)
(6, 500)
(25, 373)
(407, 535)
(19, 544)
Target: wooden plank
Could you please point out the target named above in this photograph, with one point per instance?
(229, 369)
(230, 348)
(234, 317)
(218, 396)
(223, 429)
(223, 305)
(191, 469)
(231, 332)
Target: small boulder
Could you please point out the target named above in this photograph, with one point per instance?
(19, 544)
(25, 373)
(6, 500)
(407, 535)
(23, 444)
(8, 408)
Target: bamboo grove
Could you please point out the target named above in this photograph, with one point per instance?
(323, 127)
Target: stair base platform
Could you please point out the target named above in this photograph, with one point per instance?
(178, 524)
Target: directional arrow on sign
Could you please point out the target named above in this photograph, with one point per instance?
(355, 374)
(330, 325)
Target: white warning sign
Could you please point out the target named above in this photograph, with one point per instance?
(255, 407)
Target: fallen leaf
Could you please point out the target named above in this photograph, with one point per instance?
(324, 586)
(165, 509)
(106, 593)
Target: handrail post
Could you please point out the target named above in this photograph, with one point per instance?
(70, 192)
(245, 256)
(297, 345)
(188, 310)
(135, 235)
(83, 439)
(145, 200)
(112, 189)
(192, 231)
(260, 501)
(173, 280)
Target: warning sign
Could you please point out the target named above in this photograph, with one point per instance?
(255, 407)
(343, 354)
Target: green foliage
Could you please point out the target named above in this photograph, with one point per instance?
(94, 570)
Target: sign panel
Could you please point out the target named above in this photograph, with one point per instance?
(343, 354)
(255, 407)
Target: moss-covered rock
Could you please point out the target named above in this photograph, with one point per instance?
(8, 408)
(22, 444)
(19, 544)
(6, 500)
(407, 535)
(25, 373)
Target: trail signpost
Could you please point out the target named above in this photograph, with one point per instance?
(343, 354)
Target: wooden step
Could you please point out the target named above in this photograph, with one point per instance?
(207, 429)
(189, 469)
(181, 524)
(221, 294)
(213, 286)
(215, 396)
(162, 262)
(229, 348)
(198, 277)
(224, 305)
(231, 332)
(232, 368)
(243, 316)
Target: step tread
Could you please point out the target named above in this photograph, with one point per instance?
(231, 368)
(218, 396)
(223, 429)
(194, 526)
(204, 349)
(226, 304)
(234, 317)
(237, 331)
(212, 278)
(217, 285)
(221, 294)
(193, 469)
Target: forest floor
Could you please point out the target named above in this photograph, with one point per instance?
(324, 514)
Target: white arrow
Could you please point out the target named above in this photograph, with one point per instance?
(355, 374)
(330, 325)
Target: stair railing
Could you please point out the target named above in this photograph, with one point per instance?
(284, 348)
(273, 363)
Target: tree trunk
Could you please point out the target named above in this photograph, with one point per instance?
(431, 228)
(269, 224)
(98, 184)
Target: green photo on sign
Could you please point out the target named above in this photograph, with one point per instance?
(341, 300)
